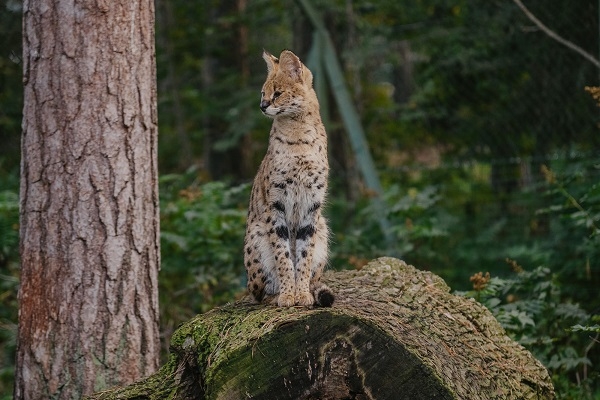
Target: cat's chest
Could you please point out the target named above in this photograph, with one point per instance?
(298, 179)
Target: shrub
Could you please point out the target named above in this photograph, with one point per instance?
(202, 232)
(531, 307)
(9, 281)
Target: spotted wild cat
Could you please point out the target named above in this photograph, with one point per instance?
(286, 243)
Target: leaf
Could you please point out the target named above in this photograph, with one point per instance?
(178, 240)
(581, 328)
(492, 303)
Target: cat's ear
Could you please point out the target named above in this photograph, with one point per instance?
(271, 61)
(291, 64)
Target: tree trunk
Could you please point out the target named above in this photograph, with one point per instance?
(88, 301)
(393, 333)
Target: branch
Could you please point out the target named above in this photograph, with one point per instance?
(555, 36)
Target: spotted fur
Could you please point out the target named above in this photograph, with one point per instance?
(286, 244)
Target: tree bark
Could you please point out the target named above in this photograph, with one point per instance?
(88, 301)
(393, 333)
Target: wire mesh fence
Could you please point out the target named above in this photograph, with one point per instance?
(472, 94)
(484, 138)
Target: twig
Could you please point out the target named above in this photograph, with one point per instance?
(555, 36)
(587, 350)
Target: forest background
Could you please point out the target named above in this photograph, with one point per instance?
(484, 138)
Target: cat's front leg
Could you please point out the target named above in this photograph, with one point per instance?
(279, 238)
(306, 237)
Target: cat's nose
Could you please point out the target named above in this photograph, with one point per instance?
(264, 104)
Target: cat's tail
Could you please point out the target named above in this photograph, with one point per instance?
(323, 296)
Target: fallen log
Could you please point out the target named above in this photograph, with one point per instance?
(394, 332)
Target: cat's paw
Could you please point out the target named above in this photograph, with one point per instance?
(305, 299)
(286, 300)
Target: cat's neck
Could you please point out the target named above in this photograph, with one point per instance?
(310, 116)
(307, 124)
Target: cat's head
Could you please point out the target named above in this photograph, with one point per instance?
(288, 87)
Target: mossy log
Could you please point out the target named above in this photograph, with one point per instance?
(394, 332)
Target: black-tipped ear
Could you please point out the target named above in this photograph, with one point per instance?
(271, 60)
(291, 64)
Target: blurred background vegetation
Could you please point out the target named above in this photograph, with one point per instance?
(485, 141)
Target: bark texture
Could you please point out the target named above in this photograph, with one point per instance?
(393, 333)
(88, 315)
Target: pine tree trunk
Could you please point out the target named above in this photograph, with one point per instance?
(88, 300)
(393, 333)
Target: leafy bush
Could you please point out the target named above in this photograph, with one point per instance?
(9, 280)
(574, 216)
(453, 222)
(553, 309)
(202, 232)
(438, 222)
(416, 225)
(532, 309)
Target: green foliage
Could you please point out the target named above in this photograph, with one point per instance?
(202, 232)
(440, 219)
(592, 328)
(210, 70)
(540, 308)
(450, 221)
(11, 87)
(9, 280)
(478, 62)
(574, 215)
(533, 311)
(469, 79)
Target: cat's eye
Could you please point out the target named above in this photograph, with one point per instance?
(276, 95)
(262, 94)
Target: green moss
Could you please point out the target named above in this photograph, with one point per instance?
(298, 357)
(211, 337)
(160, 386)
